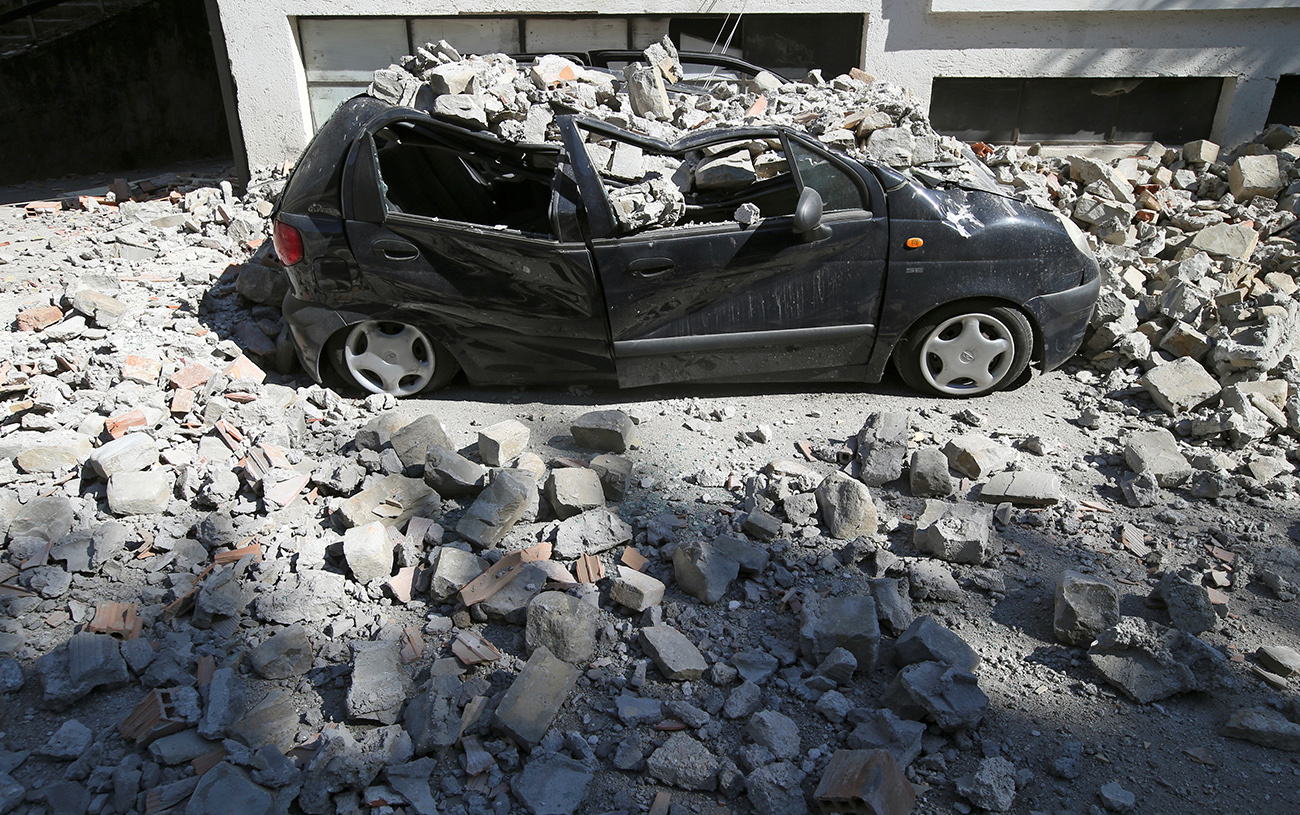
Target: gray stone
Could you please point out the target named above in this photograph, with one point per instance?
(411, 780)
(369, 552)
(637, 710)
(743, 700)
(846, 507)
(882, 447)
(534, 698)
(342, 762)
(502, 443)
(11, 675)
(412, 441)
(564, 625)
(433, 716)
(958, 533)
(1252, 176)
(224, 593)
(140, 493)
(838, 667)
(676, 657)
(1023, 487)
(47, 517)
(615, 474)
(702, 571)
(505, 502)
(1201, 151)
(776, 789)
(510, 604)
(611, 431)
(1149, 662)
(992, 786)
(646, 91)
(273, 720)
(452, 569)
(1156, 452)
(928, 474)
(684, 763)
(892, 146)
(751, 559)
(883, 730)
(761, 525)
(755, 665)
(83, 664)
(131, 453)
(636, 590)
(1181, 385)
(255, 282)
(462, 109)
(452, 77)
(936, 691)
(776, 732)
(224, 704)
(379, 431)
(1188, 604)
(378, 686)
(1085, 606)
(1264, 726)
(977, 456)
(1279, 659)
(893, 603)
(728, 171)
(574, 490)
(181, 747)
(847, 622)
(284, 655)
(1115, 798)
(552, 784)
(833, 706)
(928, 641)
(452, 475)
(69, 742)
(590, 533)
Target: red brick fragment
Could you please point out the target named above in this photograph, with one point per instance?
(39, 318)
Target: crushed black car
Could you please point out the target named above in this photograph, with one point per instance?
(420, 245)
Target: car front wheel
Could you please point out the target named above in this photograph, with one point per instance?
(383, 356)
(966, 350)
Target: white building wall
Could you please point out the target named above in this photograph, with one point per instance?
(909, 42)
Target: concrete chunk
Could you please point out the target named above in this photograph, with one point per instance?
(502, 443)
(450, 474)
(847, 622)
(702, 571)
(635, 590)
(612, 431)
(1024, 487)
(977, 456)
(574, 490)
(928, 641)
(369, 552)
(1181, 385)
(505, 502)
(1085, 606)
(378, 687)
(882, 447)
(676, 656)
(131, 453)
(958, 533)
(846, 506)
(534, 699)
(140, 493)
(1252, 176)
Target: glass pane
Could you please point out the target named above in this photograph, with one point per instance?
(1173, 110)
(837, 190)
(544, 34)
(469, 35)
(350, 50)
(974, 109)
(324, 99)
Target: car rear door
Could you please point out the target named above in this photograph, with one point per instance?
(513, 305)
(718, 302)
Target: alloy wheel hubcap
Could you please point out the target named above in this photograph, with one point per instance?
(967, 354)
(386, 357)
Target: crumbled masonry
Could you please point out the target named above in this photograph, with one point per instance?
(222, 584)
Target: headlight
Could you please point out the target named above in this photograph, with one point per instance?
(1076, 234)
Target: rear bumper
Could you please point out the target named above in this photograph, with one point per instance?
(1063, 317)
(312, 325)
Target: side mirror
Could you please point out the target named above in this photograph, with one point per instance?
(808, 216)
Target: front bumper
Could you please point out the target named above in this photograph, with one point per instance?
(1063, 318)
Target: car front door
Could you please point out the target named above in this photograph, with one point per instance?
(717, 301)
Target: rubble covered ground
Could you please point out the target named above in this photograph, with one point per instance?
(226, 589)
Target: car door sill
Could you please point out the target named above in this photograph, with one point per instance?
(698, 343)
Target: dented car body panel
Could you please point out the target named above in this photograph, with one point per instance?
(523, 262)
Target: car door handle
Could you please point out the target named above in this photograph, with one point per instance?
(396, 250)
(650, 267)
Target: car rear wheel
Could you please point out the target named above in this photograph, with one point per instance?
(383, 356)
(968, 349)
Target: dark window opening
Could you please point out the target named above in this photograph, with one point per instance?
(789, 44)
(1067, 111)
(1285, 109)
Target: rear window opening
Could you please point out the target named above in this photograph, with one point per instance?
(425, 175)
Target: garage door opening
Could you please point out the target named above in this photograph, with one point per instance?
(1075, 111)
(1285, 109)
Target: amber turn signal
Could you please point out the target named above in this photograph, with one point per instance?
(915, 243)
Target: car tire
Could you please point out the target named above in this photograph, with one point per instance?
(389, 356)
(966, 349)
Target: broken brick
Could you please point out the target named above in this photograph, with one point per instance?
(36, 319)
(119, 620)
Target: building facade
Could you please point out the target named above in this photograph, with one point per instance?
(998, 70)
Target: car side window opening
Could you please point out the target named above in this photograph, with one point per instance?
(838, 190)
(424, 175)
(657, 190)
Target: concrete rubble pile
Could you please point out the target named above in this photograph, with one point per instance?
(225, 588)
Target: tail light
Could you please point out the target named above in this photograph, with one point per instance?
(288, 243)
